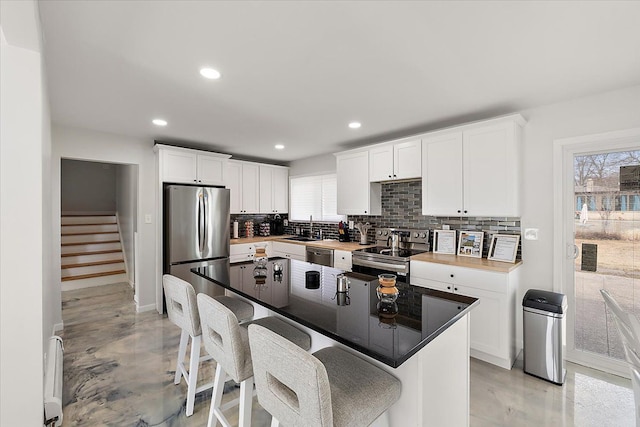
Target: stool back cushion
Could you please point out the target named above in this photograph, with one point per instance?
(222, 338)
(292, 384)
(182, 307)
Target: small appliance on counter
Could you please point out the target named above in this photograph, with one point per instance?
(277, 225)
(343, 233)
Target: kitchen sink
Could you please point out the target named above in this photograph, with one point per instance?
(301, 239)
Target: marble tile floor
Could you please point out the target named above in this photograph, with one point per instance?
(119, 367)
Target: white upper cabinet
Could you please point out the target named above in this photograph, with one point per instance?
(274, 189)
(356, 195)
(473, 170)
(401, 160)
(242, 178)
(186, 166)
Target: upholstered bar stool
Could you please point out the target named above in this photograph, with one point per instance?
(331, 387)
(228, 343)
(182, 309)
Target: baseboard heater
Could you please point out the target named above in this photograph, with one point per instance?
(53, 383)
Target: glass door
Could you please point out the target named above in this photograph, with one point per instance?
(601, 204)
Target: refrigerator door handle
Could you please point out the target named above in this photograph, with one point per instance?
(201, 221)
(205, 222)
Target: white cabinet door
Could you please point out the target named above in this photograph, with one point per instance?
(179, 166)
(342, 260)
(401, 160)
(442, 175)
(356, 196)
(381, 163)
(281, 190)
(490, 165)
(250, 187)
(407, 159)
(274, 189)
(211, 169)
(233, 181)
(488, 330)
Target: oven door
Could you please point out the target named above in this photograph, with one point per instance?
(374, 267)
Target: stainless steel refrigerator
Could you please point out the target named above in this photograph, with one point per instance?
(196, 232)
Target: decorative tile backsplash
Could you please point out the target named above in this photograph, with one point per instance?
(402, 208)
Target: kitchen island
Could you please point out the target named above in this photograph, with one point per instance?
(423, 338)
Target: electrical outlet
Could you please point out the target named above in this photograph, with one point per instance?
(286, 222)
(531, 234)
(147, 219)
(351, 225)
(446, 227)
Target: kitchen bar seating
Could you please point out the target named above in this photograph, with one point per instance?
(182, 310)
(331, 387)
(629, 330)
(228, 343)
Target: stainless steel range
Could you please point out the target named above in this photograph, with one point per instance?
(391, 254)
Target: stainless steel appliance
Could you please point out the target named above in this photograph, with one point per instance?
(320, 256)
(196, 231)
(386, 259)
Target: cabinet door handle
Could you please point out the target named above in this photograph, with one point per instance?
(448, 287)
(389, 176)
(451, 275)
(465, 211)
(455, 289)
(459, 211)
(365, 211)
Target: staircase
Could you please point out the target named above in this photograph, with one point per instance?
(91, 251)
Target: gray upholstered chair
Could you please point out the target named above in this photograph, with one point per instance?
(331, 387)
(228, 343)
(182, 310)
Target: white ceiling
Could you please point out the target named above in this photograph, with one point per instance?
(297, 72)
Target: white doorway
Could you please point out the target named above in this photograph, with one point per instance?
(595, 242)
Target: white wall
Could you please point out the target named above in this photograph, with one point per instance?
(88, 186)
(610, 111)
(24, 151)
(325, 163)
(82, 144)
(127, 210)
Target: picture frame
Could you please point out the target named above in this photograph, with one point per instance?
(504, 247)
(444, 242)
(470, 243)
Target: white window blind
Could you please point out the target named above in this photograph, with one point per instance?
(315, 195)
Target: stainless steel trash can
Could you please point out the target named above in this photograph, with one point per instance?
(543, 324)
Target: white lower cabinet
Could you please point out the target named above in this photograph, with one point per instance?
(290, 250)
(242, 252)
(493, 320)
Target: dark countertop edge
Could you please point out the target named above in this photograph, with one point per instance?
(394, 363)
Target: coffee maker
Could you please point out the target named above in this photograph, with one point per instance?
(277, 225)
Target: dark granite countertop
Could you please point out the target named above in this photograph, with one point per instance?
(390, 333)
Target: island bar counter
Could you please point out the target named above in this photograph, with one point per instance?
(422, 339)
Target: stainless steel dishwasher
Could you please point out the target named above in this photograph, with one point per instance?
(320, 256)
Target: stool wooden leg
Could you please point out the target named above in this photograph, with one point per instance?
(246, 401)
(216, 396)
(192, 380)
(182, 350)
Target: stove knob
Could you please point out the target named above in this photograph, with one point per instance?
(423, 235)
(386, 232)
(379, 232)
(416, 235)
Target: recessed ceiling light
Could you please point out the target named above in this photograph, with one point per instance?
(210, 73)
(159, 122)
(279, 147)
(355, 125)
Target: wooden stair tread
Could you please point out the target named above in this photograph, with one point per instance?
(109, 251)
(89, 276)
(89, 233)
(89, 264)
(92, 223)
(97, 242)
